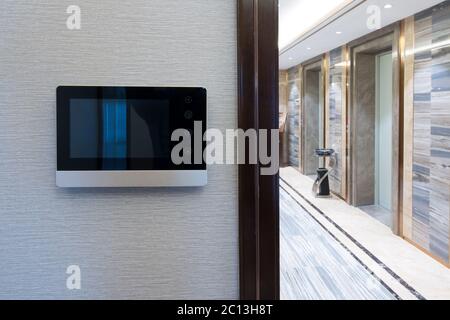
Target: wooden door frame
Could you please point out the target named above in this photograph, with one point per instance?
(257, 58)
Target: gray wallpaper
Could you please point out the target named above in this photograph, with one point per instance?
(431, 158)
(129, 243)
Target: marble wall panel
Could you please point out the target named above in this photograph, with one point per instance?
(336, 100)
(293, 118)
(431, 156)
(311, 129)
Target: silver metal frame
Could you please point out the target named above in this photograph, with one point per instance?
(148, 178)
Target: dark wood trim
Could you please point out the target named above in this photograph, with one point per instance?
(258, 109)
(248, 182)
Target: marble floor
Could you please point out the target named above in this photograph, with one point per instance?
(404, 269)
(379, 213)
(315, 266)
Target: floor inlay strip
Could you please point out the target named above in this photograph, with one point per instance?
(390, 290)
(358, 244)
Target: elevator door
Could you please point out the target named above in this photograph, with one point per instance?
(383, 132)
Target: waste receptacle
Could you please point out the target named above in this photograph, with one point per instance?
(324, 186)
(321, 187)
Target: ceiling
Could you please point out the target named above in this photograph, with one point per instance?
(307, 29)
(298, 16)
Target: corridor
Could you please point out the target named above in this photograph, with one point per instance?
(332, 250)
(315, 265)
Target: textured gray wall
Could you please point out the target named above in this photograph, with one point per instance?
(129, 243)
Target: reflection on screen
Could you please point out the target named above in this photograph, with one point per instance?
(119, 128)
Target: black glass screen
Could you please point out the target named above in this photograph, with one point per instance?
(119, 128)
(124, 128)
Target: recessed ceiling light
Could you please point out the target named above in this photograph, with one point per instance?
(308, 48)
(290, 58)
(338, 32)
(388, 6)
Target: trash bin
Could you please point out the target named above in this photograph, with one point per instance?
(324, 186)
(321, 187)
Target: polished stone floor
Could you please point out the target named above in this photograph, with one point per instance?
(316, 266)
(379, 213)
(408, 271)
